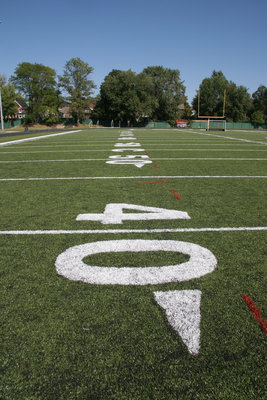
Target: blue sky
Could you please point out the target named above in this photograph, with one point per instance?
(192, 36)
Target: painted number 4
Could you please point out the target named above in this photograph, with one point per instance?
(113, 214)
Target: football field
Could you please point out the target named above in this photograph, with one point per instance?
(133, 265)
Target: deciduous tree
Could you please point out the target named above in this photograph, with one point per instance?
(154, 93)
(38, 84)
(125, 95)
(238, 100)
(238, 103)
(260, 105)
(168, 91)
(8, 99)
(77, 85)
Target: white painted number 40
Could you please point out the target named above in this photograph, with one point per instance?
(182, 307)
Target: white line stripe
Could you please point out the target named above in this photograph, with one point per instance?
(108, 150)
(148, 139)
(143, 143)
(138, 177)
(231, 138)
(64, 145)
(214, 159)
(155, 159)
(199, 150)
(68, 160)
(252, 131)
(197, 144)
(59, 151)
(36, 138)
(89, 145)
(114, 231)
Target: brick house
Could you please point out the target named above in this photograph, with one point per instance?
(65, 111)
(22, 108)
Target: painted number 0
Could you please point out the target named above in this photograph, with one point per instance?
(70, 263)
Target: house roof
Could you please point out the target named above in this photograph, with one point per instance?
(21, 102)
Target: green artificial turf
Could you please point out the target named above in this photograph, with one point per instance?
(66, 340)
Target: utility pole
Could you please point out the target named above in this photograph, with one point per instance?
(1, 113)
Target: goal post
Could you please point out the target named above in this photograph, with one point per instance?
(216, 125)
(214, 122)
(222, 116)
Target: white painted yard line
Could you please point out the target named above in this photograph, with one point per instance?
(186, 149)
(143, 143)
(199, 144)
(118, 231)
(40, 147)
(61, 145)
(172, 149)
(213, 159)
(155, 159)
(203, 144)
(36, 138)
(180, 141)
(137, 177)
(231, 138)
(85, 139)
(56, 151)
(77, 141)
(64, 160)
(108, 150)
(252, 131)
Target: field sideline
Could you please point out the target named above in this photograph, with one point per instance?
(133, 265)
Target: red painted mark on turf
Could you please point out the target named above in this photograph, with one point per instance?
(145, 183)
(176, 194)
(156, 166)
(256, 312)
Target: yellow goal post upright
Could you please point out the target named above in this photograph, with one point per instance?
(214, 122)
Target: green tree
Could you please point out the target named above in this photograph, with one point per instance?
(211, 95)
(8, 95)
(145, 92)
(168, 91)
(154, 93)
(77, 86)
(125, 95)
(38, 84)
(238, 103)
(3, 80)
(238, 100)
(260, 104)
(258, 117)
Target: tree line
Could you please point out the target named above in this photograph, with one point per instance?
(155, 94)
(239, 105)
